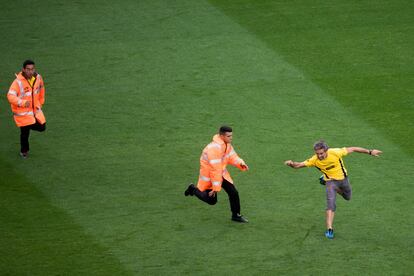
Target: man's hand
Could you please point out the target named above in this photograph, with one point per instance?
(27, 104)
(212, 193)
(244, 166)
(375, 152)
(289, 163)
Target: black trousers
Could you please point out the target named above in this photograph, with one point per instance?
(25, 133)
(231, 192)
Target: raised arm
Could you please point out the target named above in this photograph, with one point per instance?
(295, 165)
(373, 152)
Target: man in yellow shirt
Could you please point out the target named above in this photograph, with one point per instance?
(335, 176)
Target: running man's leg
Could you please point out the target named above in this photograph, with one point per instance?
(233, 197)
(38, 126)
(346, 189)
(25, 134)
(203, 196)
(24, 139)
(330, 203)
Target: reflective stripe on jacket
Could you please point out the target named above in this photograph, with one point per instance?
(213, 162)
(21, 92)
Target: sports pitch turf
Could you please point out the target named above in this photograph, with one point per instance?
(136, 89)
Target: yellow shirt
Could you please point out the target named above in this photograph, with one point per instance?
(31, 81)
(332, 166)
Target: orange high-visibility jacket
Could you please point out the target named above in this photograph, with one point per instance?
(213, 162)
(19, 93)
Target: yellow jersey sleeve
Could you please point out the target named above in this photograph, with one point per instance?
(311, 161)
(340, 152)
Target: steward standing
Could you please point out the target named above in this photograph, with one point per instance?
(26, 97)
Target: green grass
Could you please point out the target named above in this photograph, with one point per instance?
(134, 92)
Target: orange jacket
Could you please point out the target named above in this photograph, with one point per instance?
(21, 92)
(213, 162)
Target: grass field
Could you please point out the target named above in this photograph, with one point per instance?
(136, 89)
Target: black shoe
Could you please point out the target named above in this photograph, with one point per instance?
(190, 190)
(239, 218)
(322, 180)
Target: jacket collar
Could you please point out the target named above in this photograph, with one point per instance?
(217, 139)
(21, 77)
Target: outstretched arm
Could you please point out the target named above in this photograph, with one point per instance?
(236, 161)
(295, 165)
(373, 152)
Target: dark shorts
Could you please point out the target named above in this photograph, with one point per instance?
(333, 187)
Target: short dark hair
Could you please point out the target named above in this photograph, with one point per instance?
(28, 62)
(320, 145)
(224, 129)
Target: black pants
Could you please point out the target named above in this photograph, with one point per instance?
(231, 192)
(25, 133)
